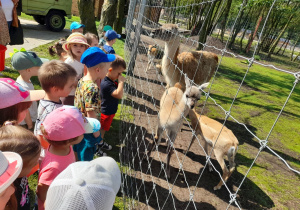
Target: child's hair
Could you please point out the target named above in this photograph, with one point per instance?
(106, 39)
(57, 48)
(118, 62)
(17, 139)
(90, 36)
(57, 143)
(11, 113)
(55, 74)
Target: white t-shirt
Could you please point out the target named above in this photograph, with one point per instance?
(7, 6)
(33, 108)
(79, 67)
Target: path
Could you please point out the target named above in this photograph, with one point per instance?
(35, 35)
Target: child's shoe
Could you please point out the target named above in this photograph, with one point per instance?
(100, 153)
(105, 146)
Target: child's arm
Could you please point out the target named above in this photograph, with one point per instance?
(28, 121)
(118, 93)
(93, 114)
(41, 191)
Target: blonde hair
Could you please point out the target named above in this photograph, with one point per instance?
(55, 74)
(17, 139)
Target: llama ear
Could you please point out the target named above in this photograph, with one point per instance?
(187, 81)
(203, 86)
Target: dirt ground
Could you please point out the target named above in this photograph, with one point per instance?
(146, 181)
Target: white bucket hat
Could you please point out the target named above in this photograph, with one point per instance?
(85, 185)
(10, 168)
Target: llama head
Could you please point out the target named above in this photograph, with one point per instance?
(166, 32)
(192, 93)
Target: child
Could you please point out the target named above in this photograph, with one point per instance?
(76, 27)
(19, 140)
(92, 39)
(96, 186)
(12, 164)
(102, 41)
(111, 92)
(57, 79)
(57, 49)
(87, 98)
(28, 64)
(76, 44)
(111, 38)
(15, 100)
(62, 128)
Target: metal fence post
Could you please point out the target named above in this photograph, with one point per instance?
(137, 36)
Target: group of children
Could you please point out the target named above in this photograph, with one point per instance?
(76, 107)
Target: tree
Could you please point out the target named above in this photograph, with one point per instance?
(86, 8)
(120, 16)
(108, 14)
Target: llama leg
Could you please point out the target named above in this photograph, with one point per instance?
(231, 156)
(220, 159)
(206, 151)
(157, 139)
(148, 65)
(172, 136)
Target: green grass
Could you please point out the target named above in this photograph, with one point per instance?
(112, 137)
(257, 105)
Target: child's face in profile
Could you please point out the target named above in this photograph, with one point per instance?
(68, 87)
(80, 30)
(34, 70)
(114, 74)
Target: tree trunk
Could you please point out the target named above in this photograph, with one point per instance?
(296, 57)
(273, 46)
(226, 13)
(206, 26)
(285, 41)
(294, 47)
(86, 8)
(255, 31)
(285, 47)
(237, 28)
(108, 14)
(120, 16)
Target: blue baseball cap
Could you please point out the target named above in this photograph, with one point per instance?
(76, 25)
(111, 34)
(94, 55)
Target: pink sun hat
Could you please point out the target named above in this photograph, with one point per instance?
(67, 122)
(12, 93)
(10, 168)
(75, 38)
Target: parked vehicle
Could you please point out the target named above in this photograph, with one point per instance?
(49, 12)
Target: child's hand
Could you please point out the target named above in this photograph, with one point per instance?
(121, 78)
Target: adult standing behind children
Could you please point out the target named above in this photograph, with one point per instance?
(27, 64)
(75, 46)
(88, 101)
(111, 92)
(57, 79)
(111, 38)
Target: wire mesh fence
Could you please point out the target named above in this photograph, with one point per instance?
(158, 55)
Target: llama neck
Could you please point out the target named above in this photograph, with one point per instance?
(171, 47)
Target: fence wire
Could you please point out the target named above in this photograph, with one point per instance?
(145, 181)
